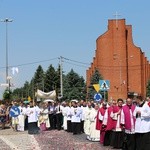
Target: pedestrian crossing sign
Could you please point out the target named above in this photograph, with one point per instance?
(104, 85)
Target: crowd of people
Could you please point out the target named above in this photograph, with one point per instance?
(117, 123)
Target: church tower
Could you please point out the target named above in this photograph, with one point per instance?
(120, 61)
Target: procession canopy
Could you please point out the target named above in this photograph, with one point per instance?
(44, 95)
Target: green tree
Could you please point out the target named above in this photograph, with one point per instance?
(7, 95)
(50, 79)
(22, 93)
(38, 79)
(26, 89)
(57, 80)
(32, 89)
(17, 93)
(148, 88)
(74, 86)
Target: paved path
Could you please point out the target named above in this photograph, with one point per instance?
(17, 140)
(46, 140)
(62, 140)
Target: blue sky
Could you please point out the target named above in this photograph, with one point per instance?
(47, 29)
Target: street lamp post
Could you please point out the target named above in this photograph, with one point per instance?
(7, 21)
(9, 83)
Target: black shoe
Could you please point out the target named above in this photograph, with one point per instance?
(74, 133)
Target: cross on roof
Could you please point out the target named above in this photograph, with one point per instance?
(116, 17)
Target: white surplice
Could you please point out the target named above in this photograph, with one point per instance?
(142, 123)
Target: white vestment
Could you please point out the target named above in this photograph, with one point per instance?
(94, 135)
(76, 114)
(87, 120)
(43, 117)
(142, 123)
(64, 112)
(33, 113)
(21, 119)
(69, 115)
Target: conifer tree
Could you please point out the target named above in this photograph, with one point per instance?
(74, 86)
(148, 88)
(38, 79)
(50, 79)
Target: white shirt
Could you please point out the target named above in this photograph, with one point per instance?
(64, 111)
(83, 113)
(32, 113)
(69, 113)
(76, 114)
(59, 109)
(142, 123)
(22, 110)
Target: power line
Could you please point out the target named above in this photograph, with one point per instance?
(76, 61)
(31, 63)
(74, 64)
(135, 67)
(67, 59)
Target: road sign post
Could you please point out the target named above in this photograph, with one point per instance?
(104, 86)
(14, 111)
(97, 97)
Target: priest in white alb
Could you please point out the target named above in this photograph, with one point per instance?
(86, 118)
(21, 117)
(94, 135)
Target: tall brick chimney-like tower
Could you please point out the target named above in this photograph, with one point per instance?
(120, 61)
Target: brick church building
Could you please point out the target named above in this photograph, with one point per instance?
(120, 61)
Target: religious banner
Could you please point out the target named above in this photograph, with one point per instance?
(48, 95)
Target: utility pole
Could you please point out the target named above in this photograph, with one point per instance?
(61, 77)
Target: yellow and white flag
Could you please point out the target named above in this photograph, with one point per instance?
(96, 87)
